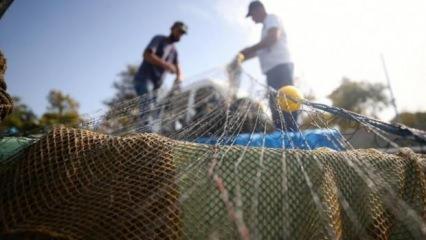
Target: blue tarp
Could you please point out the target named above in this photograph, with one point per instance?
(308, 139)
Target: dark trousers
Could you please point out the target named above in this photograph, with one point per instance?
(146, 99)
(142, 79)
(278, 77)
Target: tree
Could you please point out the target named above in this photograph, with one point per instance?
(124, 88)
(60, 103)
(62, 110)
(123, 106)
(22, 120)
(414, 120)
(360, 97)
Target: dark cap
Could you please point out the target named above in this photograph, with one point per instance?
(253, 5)
(181, 26)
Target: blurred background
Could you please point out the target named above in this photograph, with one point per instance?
(69, 59)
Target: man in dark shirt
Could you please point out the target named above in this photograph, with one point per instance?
(160, 56)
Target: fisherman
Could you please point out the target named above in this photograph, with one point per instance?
(274, 59)
(159, 57)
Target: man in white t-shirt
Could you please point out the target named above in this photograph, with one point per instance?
(274, 59)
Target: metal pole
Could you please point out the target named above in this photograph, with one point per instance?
(390, 88)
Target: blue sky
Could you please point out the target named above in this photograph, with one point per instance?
(80, 46)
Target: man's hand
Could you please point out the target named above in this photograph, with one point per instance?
(240, 58)
(170, 68)
(236, 62)
(248, 53)
(176, 84)
(177, 81)
(154, 59)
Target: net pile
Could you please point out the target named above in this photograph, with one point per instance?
(78, 184)
(111, 179)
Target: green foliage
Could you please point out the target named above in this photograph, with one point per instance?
(360, 97)
(414, 120)
(124, 88)
(62, 110)
(70, 119)
(22, 119)
(117, 105)
(61, 103)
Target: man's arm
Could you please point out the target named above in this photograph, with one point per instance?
(178, 73)
(271, 38)
(177, 67)
(150, 56)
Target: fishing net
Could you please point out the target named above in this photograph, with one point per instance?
(79, 184)
(207, 162)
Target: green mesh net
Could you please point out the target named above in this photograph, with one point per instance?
(111, 181)
(77, 184)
